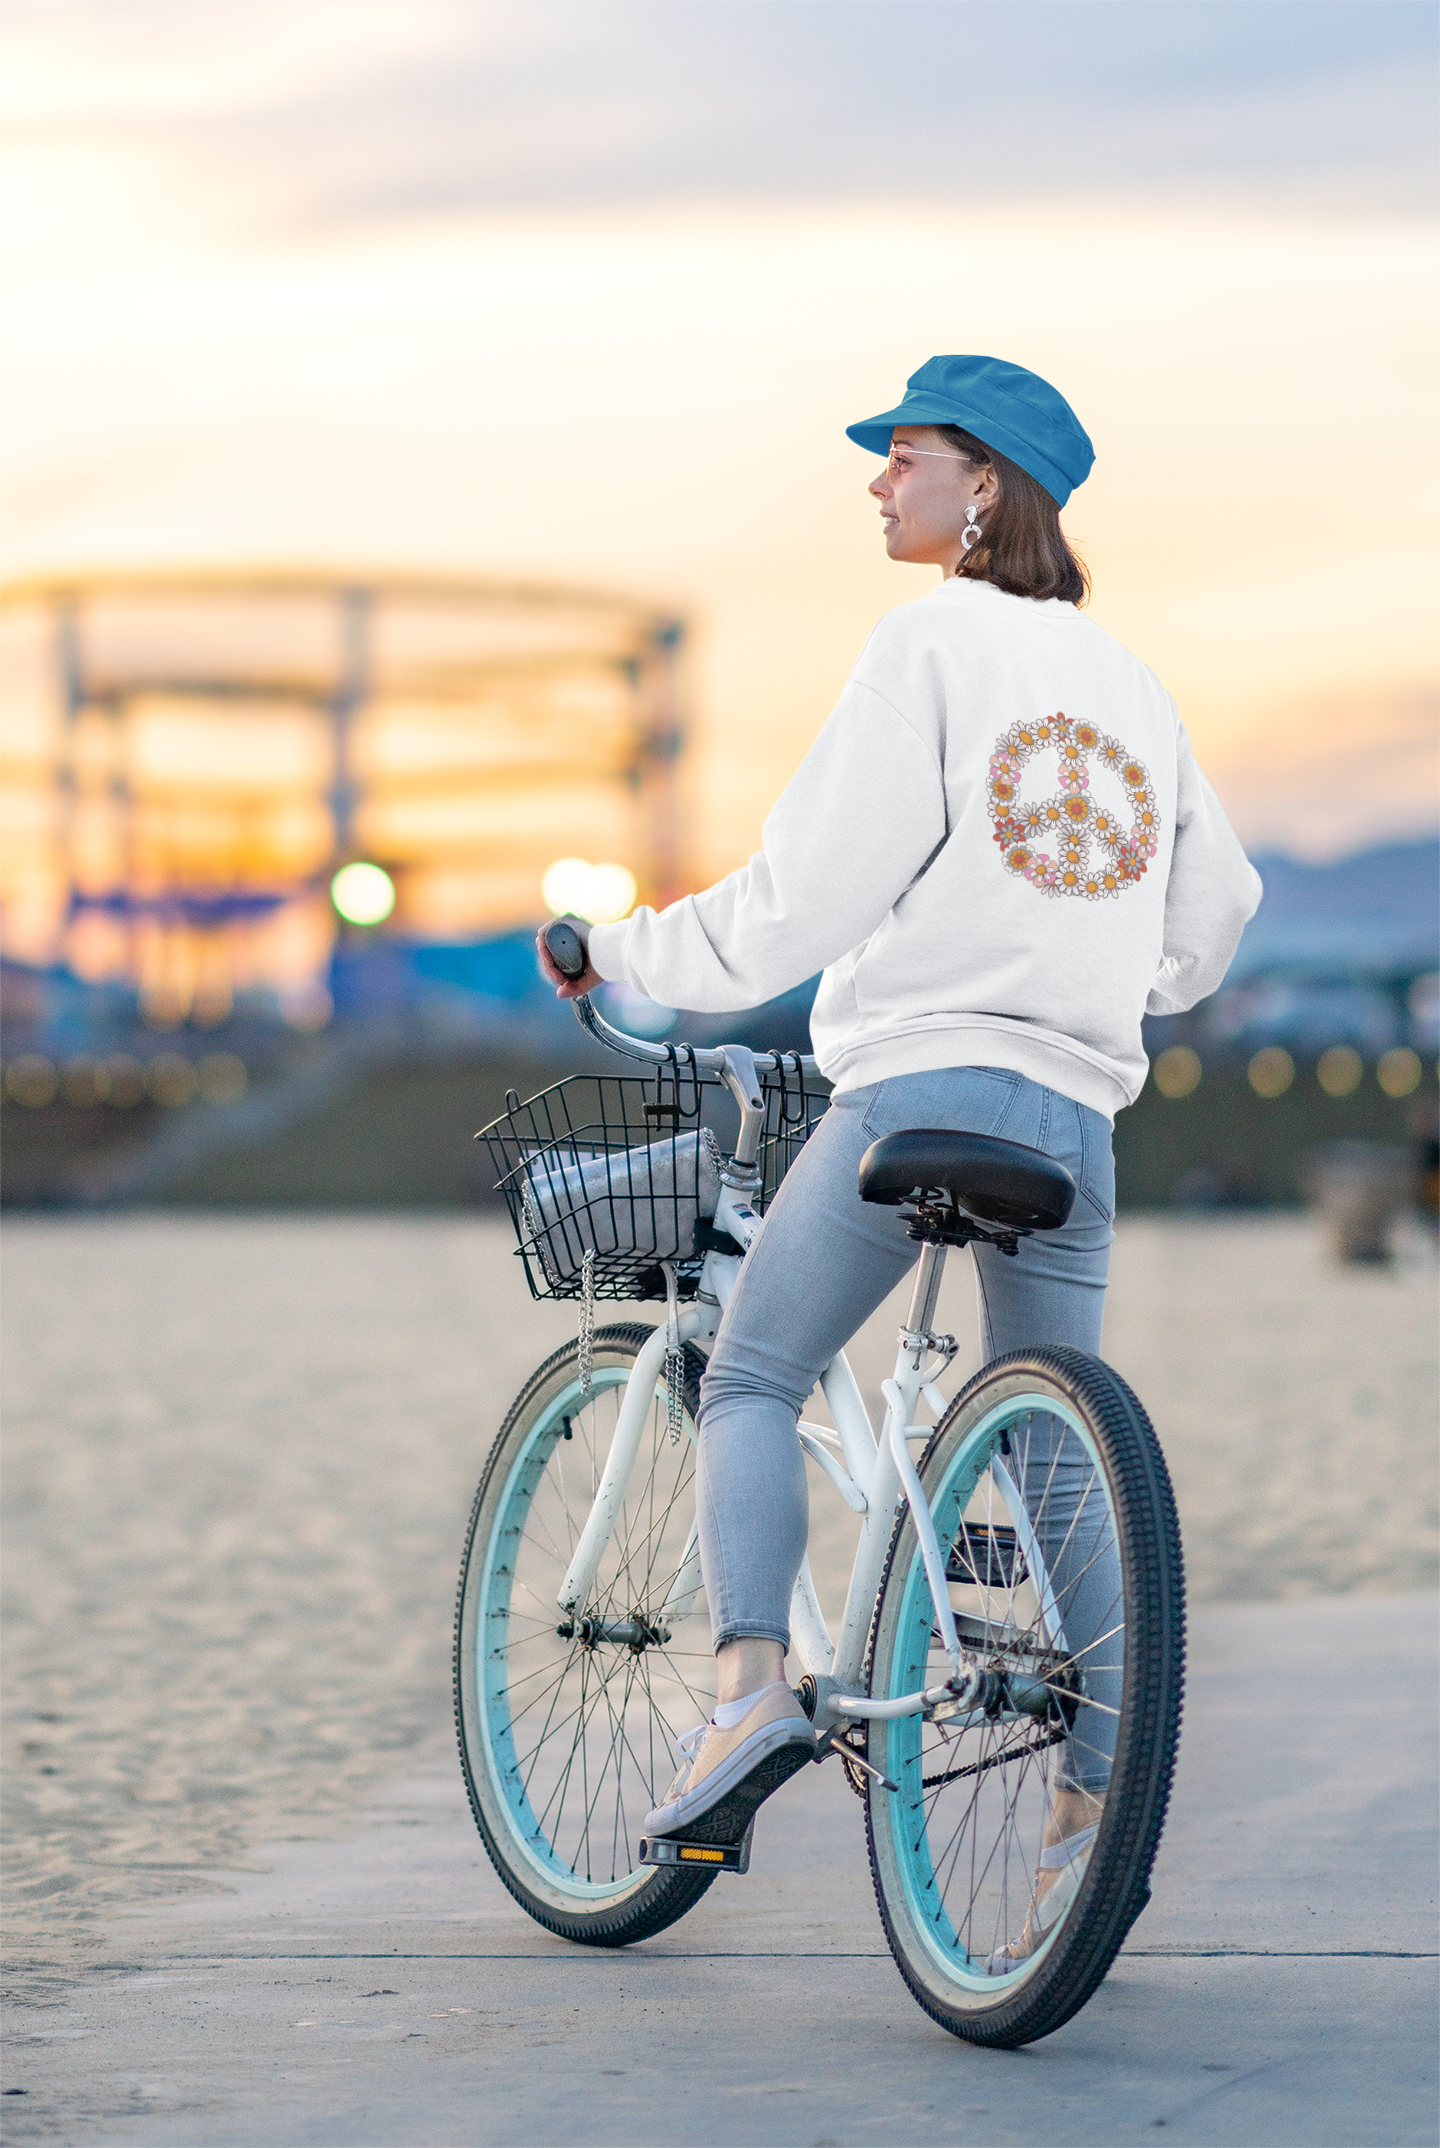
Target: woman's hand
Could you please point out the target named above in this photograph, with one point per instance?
(566, 987)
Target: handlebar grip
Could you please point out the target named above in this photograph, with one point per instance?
(567, 949)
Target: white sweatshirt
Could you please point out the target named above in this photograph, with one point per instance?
(999, 850)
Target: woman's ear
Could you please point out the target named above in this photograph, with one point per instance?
(987, 489)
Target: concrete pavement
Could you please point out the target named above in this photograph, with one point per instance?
(382, 1989)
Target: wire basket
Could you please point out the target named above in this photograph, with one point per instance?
(792, 1113)
(622, 1172)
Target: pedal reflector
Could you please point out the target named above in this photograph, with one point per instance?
(718, 1856)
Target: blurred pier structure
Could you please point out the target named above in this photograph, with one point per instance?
(186, 760)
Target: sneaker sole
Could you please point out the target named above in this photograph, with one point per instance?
(723, 1819)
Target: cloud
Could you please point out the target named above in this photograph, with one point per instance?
(73, 64)
(324, 115)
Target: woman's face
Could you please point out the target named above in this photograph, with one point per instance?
(923, 493)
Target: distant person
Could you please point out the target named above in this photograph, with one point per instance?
(991, 927)
(1423, 1123)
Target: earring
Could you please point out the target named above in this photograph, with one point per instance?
(970, 535)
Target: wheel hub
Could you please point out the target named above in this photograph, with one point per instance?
(636, 1632)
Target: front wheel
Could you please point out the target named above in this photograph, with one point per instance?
(1016, 1853)
(567, 1725)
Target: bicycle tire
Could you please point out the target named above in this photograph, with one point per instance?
(935, 1929)
(539, 1855)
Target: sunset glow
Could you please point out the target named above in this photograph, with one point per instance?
(647, 393)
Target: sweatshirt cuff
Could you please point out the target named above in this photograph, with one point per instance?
(607, 952)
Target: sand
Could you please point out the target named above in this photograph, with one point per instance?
(240, 1454)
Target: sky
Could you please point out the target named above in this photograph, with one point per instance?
(590, 292)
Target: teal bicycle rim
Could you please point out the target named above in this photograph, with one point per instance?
(908, 1752)
(589, 1790)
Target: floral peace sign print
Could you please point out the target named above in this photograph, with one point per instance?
(1072, 820)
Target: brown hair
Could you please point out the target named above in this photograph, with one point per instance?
(1022, 547)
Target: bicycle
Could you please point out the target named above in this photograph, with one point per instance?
(951, 1692)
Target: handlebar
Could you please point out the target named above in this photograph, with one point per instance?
(705, 1059)
(570, 955)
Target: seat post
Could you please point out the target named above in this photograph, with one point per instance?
(927, 1288)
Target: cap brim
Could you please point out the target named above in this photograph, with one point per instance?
(874, 433)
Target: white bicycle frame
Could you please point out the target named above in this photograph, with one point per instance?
(875, 1477)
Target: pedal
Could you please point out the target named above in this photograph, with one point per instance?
(699, 1856)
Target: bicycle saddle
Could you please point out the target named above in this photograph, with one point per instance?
(1001, 1182)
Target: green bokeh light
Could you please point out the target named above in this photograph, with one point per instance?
(363, 894)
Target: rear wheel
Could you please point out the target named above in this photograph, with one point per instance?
(566, 1726)
(1049, 1489)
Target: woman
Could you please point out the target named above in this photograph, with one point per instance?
(989, 942)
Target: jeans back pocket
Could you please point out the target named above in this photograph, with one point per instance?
(959, 1100)
(1096, 1176)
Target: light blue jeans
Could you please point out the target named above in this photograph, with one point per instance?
(824, 1262)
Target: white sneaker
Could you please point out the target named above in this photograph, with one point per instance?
(726, 1775)
(1062, 1868)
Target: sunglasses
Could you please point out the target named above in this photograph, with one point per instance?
(936, 454)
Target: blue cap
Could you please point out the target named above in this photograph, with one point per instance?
(1010, 409)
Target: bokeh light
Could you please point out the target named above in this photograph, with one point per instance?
(363, 894)
(1399, 1071)
(220, 1078)
(1177, 1071)
(1340, 1070)
(125, 1079)
(120, 1082)
(31, 1080)
(84, 1082)
(1271, 1071)
(574, 887)
(170, 1079)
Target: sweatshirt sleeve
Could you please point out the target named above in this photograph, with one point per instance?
(859, 819)
(1212, 893)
